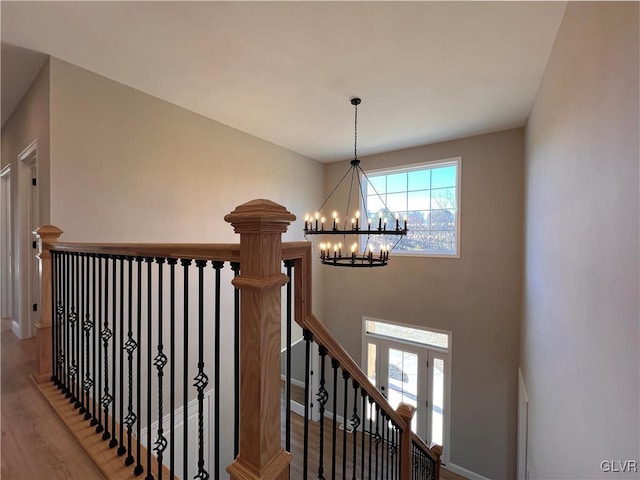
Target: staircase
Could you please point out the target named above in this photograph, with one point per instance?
(138, 344)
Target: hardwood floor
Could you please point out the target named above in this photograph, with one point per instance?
(35, 443)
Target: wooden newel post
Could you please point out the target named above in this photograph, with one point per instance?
(47, 235)
(260, 224)
(406, 411)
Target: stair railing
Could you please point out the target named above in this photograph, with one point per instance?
(98, 306)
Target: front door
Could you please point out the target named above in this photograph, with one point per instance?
(400, 373)
(412, 374)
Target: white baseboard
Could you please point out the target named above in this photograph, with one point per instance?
(464, 472)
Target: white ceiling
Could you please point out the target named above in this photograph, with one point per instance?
(285, 71)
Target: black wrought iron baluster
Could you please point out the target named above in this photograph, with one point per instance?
(75, 338)
(72, 317)
(370, 434)
(201, 380)
(172, 367)
(287, 386)
(345, 413)
(81, 319)
(387, 432)
(363, 394)
(129, 346)
(54, 322)
(334, 431)
(160, 360)
(95, 343)
(355, 423)
(185, 262)
(106, 334)
(308, 338)
(235, 266)
(149, 261)
(99, 377)
(121, 448)
(88, 329)
(139, 468)
(322, 396)
(113, 442)
(80, 338)
(67, 335)
(377, 440)
(59, 311)
(392, 448)
(383, 425)
(217, 266)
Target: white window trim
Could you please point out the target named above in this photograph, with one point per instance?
(420, 166)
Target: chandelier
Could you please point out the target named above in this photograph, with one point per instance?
(355, 240)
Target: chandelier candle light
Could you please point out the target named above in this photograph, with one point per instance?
(384, 236)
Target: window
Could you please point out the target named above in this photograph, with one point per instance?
(428, 196)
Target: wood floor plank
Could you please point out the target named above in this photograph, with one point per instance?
(35, 443)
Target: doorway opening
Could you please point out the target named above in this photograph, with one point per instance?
(412, 365)
(6, 257)
(28, 220)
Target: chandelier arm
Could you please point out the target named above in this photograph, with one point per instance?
(335, 188)
(375, 191)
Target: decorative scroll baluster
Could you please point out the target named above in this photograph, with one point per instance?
(185, 392)
(334, 365)
(172, 368)
(308, 337)
(345, 412)
(121, 448)
(88, 329)
(160, 360)
(355, 423)
(139, 468)
(81, 319)
(99, 377)
(59, 318)
(75, 344)
(114, 351)
(106, 334)
(129, 346)
(322, 396)
(201, 380)
(148, 261)
(235, 267)
(67, 331)
(95, 343)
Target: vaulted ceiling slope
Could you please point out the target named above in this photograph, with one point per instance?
(285, 71)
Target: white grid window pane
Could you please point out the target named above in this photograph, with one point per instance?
(428, 196)
(397, 182)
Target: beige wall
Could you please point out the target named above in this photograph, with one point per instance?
(127, 166)
(477, 297)
(580, 338)
(29, 122)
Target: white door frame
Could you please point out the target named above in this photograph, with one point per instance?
(431, 352)
(6, 242)
(26, 264)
